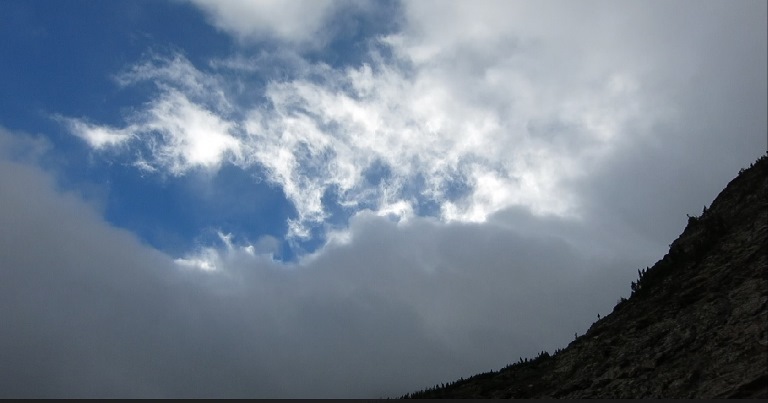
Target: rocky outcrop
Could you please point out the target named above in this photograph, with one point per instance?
(696, 325)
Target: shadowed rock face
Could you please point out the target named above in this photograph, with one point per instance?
(694, 327)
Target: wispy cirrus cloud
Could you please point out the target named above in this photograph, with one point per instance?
(97, 136)
(456, 123)
(178, 135)
(422, 135)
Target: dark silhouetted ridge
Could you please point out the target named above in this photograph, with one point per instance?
(695, 325)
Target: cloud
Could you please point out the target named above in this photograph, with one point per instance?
(97, 136)
(190, 136)
(294, 21)
(474, 110)
(428, 135)
(95, 313)
(177, 133)
(505, 170)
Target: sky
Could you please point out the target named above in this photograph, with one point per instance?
(347, 198)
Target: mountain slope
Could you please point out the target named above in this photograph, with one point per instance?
(694, 327)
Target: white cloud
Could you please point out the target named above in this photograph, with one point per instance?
(176, 73)
(190, 136)
(463, 126)
(293, 21)
(179, 135)
(97, 136)
(204, 263)
(439, 125)
(480, 108)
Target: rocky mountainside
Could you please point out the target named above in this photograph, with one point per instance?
(695, 325)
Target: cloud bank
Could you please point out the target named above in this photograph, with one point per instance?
(392, 308)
